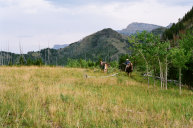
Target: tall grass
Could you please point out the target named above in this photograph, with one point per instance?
(63, 97)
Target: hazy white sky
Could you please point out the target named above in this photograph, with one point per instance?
(39, 23)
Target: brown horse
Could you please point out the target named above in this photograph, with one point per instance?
(127, 68)
(104, 66)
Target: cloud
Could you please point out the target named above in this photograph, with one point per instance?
(85, 2)
(59, 22)
(176, 2)
(81, 2)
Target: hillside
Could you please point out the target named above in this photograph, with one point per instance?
(158, 31)
(182, 28)
(106, 44)
(135, 27)
(62, 97)
(161, 30)
(184, 24)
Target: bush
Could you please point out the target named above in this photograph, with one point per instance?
(73, 63)
(38, 62)
(21, 61)
(83, 63)
(114, 64)
(80, 63)
(123, 58)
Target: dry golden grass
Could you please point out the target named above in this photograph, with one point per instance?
(63, 97)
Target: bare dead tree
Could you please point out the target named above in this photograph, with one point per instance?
(8, 54)
(39, 52)
(48, 55)
(45, 57)
(11, 59)
(21, 52)
(1, 57)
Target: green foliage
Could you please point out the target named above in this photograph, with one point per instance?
(178, 57)
(21, 60)
(38, 62)
(186, 42)
(153, 55)
(73, 63)
(188, 15)
(80, 63)
(146, 49)
(181, 41)
(174, 30)
(159, 31)
(91, 63)
(10, 63)
(123, 58)
(181, 57)
(114, 64)
(83, 63)
(29, 62)
(183, 24)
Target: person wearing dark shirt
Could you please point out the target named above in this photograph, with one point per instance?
(127, 62)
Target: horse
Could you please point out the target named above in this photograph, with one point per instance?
(127, 68)
(104, 66)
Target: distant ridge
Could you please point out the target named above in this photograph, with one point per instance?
(135, 27)
(57, 46)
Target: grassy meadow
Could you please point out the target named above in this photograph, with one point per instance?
(63, 97)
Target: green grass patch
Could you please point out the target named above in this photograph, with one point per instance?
(63, 97)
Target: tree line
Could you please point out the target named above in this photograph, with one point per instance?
(159, 58)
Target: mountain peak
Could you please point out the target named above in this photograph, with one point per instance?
(106, 30)
(135, 27)
(107, 33)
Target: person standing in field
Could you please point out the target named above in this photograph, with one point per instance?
(104, 66)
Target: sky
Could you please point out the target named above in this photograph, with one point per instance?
(38, 24)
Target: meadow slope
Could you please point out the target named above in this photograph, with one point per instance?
(63, 97)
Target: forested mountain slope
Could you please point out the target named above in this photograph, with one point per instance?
(184, 24)
(180, 36)
(106, 44)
